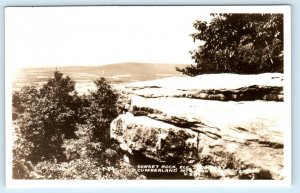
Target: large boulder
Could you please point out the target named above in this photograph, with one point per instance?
(241, 138)
(157, 140)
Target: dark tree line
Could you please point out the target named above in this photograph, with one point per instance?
(238, 43)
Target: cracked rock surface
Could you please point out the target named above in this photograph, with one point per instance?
(223, 126)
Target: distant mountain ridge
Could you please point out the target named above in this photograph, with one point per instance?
(126, 68)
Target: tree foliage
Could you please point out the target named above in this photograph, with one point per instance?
(102, 110)
(238, 43)
(47, 116)
(60, 135)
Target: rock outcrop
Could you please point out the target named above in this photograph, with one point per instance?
(216, 126)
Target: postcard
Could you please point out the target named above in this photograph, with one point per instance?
(148, 96)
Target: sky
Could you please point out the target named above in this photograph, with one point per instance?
(57, 36)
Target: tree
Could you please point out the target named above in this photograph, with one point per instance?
(59, 135)
(102, 110)
(67, 107)
(48, 116)
(238, 43)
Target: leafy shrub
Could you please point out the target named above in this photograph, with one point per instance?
(87, 160)
(21, 150)
(83, 169)
(75, 169)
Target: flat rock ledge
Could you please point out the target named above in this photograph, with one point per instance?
(219, 138)
(223, 87)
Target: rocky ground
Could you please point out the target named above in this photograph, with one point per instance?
(217, 126)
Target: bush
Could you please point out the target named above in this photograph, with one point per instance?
(87, 160)
(83, 169)
(21, 150)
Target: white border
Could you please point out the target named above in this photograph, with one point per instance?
(285, 9)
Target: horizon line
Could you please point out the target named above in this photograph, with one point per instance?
(98, 65)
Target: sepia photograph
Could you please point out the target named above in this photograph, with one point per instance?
(148, 93)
